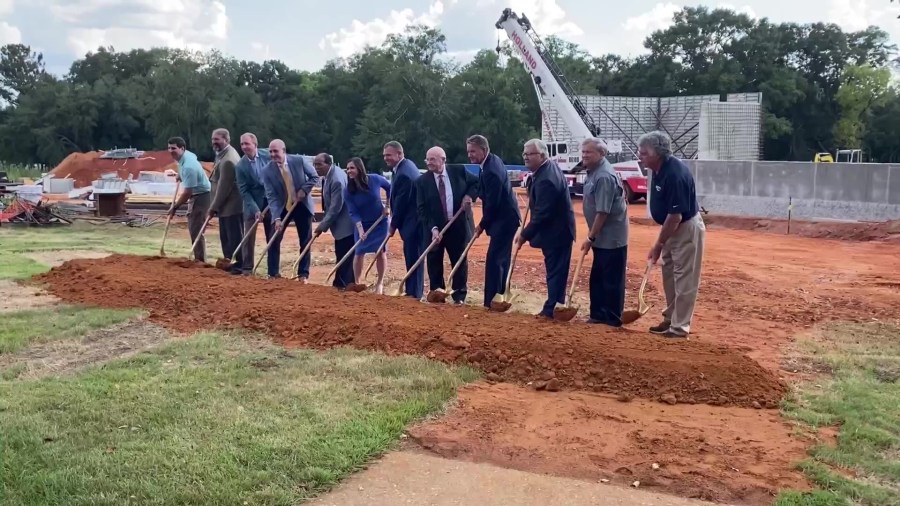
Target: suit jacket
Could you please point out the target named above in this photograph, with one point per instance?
(304, 177)
(337, 216)
(253, 193)
(552, 217)
(428, 200)
(226, 198)
(500, 208)
(403, 199)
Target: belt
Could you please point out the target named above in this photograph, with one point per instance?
(195, 195)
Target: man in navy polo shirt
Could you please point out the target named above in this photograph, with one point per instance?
(673, 204)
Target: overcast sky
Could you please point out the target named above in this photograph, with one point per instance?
(306, 33)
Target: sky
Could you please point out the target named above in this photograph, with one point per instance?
(307, 33)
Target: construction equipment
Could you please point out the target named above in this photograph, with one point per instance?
(632, 315)
(567, 311)
(227, 263)
(162, 247)
(439, 295)
(400, 289)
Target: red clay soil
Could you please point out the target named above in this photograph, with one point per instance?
(84, 168)
(187, 296)
(731, 455)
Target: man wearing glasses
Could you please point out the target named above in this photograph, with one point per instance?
(552, 224)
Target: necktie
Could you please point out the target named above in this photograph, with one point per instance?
(443, 191)
(288, 184)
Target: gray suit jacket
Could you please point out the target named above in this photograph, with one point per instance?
(337, 217)
(303, 176)
(253, 193)
(226, 198)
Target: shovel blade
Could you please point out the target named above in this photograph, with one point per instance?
(436, 296)
(356, 287)
(224, 264)
(631, 316)
(564, 314)
(500, 307)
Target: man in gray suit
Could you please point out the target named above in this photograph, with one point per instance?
(253, 195)
(289, 181)
(226, 198)
(337, 217)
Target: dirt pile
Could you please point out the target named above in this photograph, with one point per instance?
(510, 347)
(84, 168)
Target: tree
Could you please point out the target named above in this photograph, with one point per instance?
(862, 88)
(21, 69)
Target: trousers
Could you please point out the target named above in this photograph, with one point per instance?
(412, 250)
(198, 209)
(231, 231)
(497, 264)
(681, 257)
(248, 249)
(453, 243)
(303, 222)
(344, 275)
(556, 262)
(607, 289)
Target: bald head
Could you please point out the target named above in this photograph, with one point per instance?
(435, 159)
(277, 151)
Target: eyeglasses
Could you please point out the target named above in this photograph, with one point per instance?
(526, 155)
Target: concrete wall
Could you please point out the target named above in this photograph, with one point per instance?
(841, 191)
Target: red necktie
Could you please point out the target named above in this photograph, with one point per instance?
(443, 191)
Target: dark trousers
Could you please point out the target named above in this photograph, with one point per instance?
(303, 221)
(231, 231)
(453, 243)
(412, 250)
(608, 285)
(248, 260)
(496, 265)
(556, 262)
(198, 210)
(344, 275)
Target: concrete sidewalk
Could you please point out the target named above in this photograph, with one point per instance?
(419, 479)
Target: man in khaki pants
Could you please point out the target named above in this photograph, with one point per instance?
(673, 204)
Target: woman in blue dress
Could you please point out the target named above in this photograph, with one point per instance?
(363, 199)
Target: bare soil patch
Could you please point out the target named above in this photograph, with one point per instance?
(58, 257)
(19, 297)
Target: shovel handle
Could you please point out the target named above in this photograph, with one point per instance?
(162, 247)
(375, 258)
(516, 253)
(248, 233)
(430, 247)
(284, 225)
(461, 258)
(199, 236)
(644, 282)
(575, 278)
(349, 253)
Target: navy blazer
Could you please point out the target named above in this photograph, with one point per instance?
(403, 199)
(253, 193)
(429, 208)
(304, 177)
(552, 217)
(500, 208)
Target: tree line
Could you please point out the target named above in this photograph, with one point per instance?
(823, 89)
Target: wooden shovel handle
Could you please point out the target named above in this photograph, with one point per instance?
(275, 235)
(375, 258)
(349, 253)
(430, 247)
(461, 259)
(199, 236)
(162, 246)
(516, 253)
(575, 278)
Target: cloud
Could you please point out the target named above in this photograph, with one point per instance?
(9, 34)
(547, 17)
(855, 15)
(6, 7)
(348, 41)
(130, 24)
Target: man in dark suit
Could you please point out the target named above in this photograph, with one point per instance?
(253, 196)
(289, 179)
(552, 224)
(405, 217)
(500, 215)
(440, 194)
(337, 217)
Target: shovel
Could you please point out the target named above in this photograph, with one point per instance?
(400, 288)
(632, 315)
(227, 263)
(568, 311)
(439, 295)
(275, 236)
(355, 287)
(372, 263)
(302, 254)
(162, 247)
(199, 236)
(502, 302)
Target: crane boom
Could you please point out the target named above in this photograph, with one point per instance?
(546, 75)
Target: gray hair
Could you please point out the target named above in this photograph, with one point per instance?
(327, 159)
(394, 145)
(598, 144)
(540, 145)
(223, 133)
(658, 141)
(250, 136)
(480, 141)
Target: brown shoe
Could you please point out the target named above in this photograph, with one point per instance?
(662, 328)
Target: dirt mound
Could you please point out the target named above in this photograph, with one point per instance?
(84, 168)
(511, 347)
(840, 230)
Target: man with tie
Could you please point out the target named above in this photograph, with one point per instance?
(552, 224)
(289, 181)
(440, 194)
(500, 215)
(253, 195)
(405, 216)
(337, 216)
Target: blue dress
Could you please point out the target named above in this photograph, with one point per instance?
(366, 207)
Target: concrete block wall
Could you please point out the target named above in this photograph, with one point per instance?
(839, 191)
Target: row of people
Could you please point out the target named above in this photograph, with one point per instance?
(421, 205)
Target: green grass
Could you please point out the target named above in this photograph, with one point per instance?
(862, 398)
(15, 172)
(215, 419)
(21, 328)
(17, 242)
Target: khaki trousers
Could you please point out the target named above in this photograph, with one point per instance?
(681, 257)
